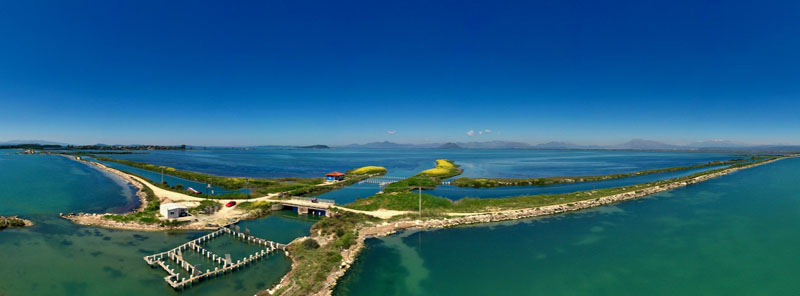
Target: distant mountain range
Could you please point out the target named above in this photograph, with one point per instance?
(38, 142)
(635, 144)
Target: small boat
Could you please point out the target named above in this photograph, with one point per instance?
(192, 191)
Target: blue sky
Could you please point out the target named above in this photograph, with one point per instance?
(338, 72)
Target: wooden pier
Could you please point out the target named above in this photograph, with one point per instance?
(177, 282)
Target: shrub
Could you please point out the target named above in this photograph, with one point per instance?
(310, 244)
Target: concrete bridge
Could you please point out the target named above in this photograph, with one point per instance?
(312, 206)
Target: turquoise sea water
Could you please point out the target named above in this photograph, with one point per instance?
(734, 235)
(56, 257)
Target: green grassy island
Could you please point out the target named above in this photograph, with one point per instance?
(427, 179)
(6, 222)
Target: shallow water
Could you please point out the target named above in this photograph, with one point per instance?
(56, 257)
(734, 235)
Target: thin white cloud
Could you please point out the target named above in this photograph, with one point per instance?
(391, 132)
(473, 133)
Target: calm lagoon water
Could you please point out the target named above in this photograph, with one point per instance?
(56, 257)
(406, 162)
(734, 235)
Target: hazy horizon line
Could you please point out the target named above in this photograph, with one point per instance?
(531, 143)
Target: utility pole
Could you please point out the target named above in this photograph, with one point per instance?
(420, 200)
(208, 189)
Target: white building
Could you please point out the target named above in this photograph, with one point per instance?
(173, 210)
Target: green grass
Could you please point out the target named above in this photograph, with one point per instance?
(499, 182)
(256, 209)
(402, 201)
(315, 265)
(340, 222)
(206, 206)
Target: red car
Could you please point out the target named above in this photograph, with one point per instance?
(230, 204)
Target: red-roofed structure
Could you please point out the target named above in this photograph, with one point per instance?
(335, 176)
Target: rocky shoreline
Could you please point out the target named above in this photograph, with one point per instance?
(98, 220)
(349, 256)
(387, 228)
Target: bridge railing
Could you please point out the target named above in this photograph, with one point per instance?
(318, 200)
